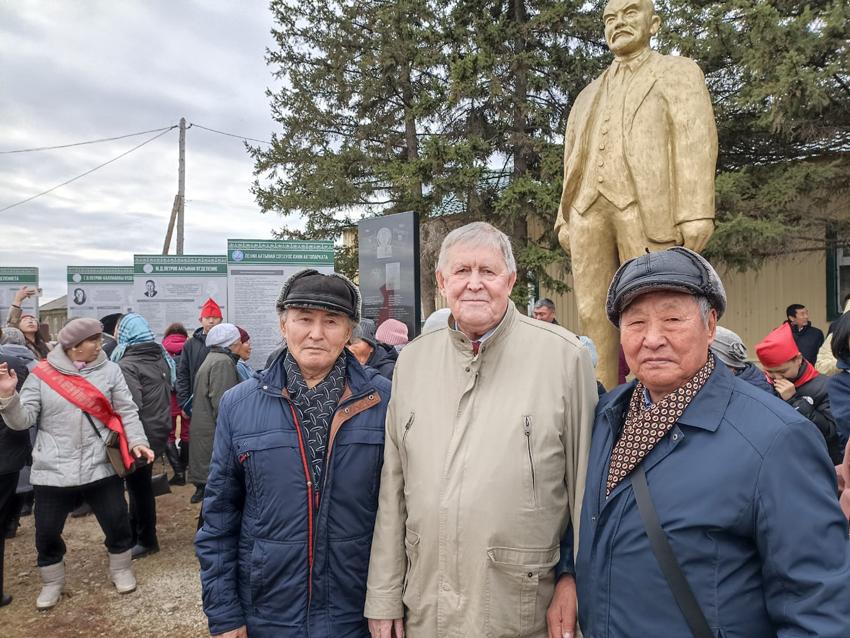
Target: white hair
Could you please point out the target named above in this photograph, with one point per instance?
(478, 235)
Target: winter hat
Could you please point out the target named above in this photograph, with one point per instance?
(110, 321)
(364, 330)
(78, 330)
(311, 289)
(244, 337)
(777, 347)
(210, 309)
(728, 347)
(436, 320)
(223, 335)
(13, 336)
(678, 269)
(134, 329)
(392, 332)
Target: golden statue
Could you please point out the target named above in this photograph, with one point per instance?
(639, 160)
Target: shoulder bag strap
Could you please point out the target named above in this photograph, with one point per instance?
(682, 591)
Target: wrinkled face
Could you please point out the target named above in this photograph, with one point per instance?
(801, 319)
(244, 351)
(629, 25)
(87, 350)
(29, 326)
(208, 323)
(315, 338)
(665, 340)
(477, 286)
(788, 370)
(544, 314)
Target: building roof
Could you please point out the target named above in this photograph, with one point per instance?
(60, 303)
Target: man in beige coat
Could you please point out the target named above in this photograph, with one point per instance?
(639, 158)
(486, 448)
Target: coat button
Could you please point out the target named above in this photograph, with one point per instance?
(675, 436)
(371, 396)
(346, 410)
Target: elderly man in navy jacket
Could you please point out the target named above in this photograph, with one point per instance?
(733, 486)
(293, 487)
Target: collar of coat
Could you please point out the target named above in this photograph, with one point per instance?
(705, 411)
(499, 333)
(59, 359)
(273, 379)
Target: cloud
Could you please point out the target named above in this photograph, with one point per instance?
(78, 71)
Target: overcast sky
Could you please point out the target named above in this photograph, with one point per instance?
(76, 71)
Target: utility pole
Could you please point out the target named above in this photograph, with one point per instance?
(180, 200)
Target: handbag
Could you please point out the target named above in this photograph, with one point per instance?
(159, 483)
(113, 450)
(670, 567)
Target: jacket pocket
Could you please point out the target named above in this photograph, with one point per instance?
(520, 584)
(410, 589)
(531, 480)
(45, 453)
(279, 587)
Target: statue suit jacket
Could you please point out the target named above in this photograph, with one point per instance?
(669, 141)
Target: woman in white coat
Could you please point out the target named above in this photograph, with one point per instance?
(69, 458)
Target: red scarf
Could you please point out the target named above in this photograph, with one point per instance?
(89, 399)
(808, 374)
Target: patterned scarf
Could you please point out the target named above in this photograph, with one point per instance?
(134, 329)
(315, 408)
(645, 427)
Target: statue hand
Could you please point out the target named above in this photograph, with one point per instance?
(564, 238)
(696, 233)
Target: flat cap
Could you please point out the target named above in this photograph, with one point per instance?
(312, 289)
(676, 269)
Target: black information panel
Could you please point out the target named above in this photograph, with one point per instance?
(389, 269)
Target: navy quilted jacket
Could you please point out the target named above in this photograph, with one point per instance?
(277, 554)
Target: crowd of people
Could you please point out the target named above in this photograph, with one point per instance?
(477, 481)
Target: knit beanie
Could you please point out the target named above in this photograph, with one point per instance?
(777, 347)
(12, 336)
(223, 335)
(78, 330)
(728, 347)
(211, 309)
(392, 332)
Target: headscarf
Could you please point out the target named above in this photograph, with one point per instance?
(134, 329)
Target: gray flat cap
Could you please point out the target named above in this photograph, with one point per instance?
(677, 269)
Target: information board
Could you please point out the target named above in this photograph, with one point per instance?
(172, 288)
(256, 270)
(12, 279)
(97, 291)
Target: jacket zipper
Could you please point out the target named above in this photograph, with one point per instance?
(308, 476)
(526, 424)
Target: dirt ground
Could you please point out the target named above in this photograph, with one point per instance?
(167, 601)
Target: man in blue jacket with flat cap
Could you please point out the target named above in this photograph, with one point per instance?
(732, 481)
(290, 504)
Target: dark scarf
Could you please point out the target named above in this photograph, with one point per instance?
(646, 426)
(315, 408)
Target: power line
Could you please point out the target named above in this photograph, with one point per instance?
(91, 170)
(239, 137)
(104, 139)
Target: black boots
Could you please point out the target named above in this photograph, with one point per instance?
(198, 496)
(177, 458)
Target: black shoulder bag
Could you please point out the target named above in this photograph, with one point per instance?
(670, 567)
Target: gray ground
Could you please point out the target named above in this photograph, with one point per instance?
(167, 601)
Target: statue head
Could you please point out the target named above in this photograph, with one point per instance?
(629, 25)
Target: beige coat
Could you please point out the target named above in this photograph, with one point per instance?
(484, 468)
